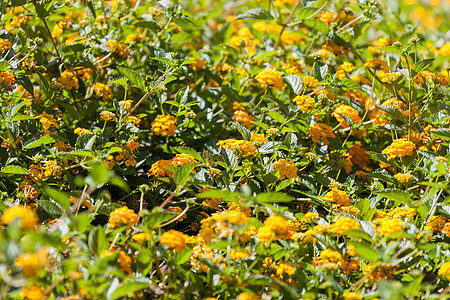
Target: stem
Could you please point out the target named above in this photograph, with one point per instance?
(286, 24)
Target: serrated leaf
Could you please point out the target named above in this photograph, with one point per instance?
(443, 133)
(119, 81)
(133, 77)
(332, 35)
(244, 131)
(393, 112)
(255, 14)
(392, 49)
(420, 65)
(11, 169)
(181, 174)
(276, 116)
(294, 82)
(26, 83)
(189, 151)
(396, 195)
(46, 139)
(317, 24)
(381, 174)
(365, 251)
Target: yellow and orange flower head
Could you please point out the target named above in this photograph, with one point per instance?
(386, 226)
(344, 224)
(403, 177)
(174, 239)
(33, 292)
(244, 148)
(7, 80)
(348, 111)
(243, 118)
(305, 102)
(68, 80)
(286, 168)
(158, 169)
(337, 196)
(164, 125)
(320, 132)
(198, 65)
(270, 79)
(28, 219)
(328, 259)
(275, 228)
(31, 263)
(399, 148)
(444, 270)
(123, 217)
(103, 91)
(118, 49)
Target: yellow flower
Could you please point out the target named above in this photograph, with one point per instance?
(107, 116)
(275, 228)
(68, 80)
(59, 27)
(245, 295)
(103, 91)
(53, 168)
(164, 125)
(281, 3)
(31, 262)
(444, 270)
(326, 16)
(386, 226)
(134, 37)
(344, 224)
(142, 237)
(47, 121)
(4, 45)
(348, 111)
(338, 197)
(377, 64)
(7, 80)
(328, 259)
(270, 79)
(243, 118)
(245, 148)
(399, 148)
(33, 292)
(123, 260)
(81, 131)
(211, 203)
(403, 177)
(320, 132)
(352, 296)
(389, 77)
(235, 254)
(286, 168)
(174, 239)
(436, 223)
(118, 49)
(445, 49)
(198, 65)
(402, 212)
(157, 169)
(28, 219)
(306, 103)
(309, 81)
(223, 68)
(379, 273)
(123, 217)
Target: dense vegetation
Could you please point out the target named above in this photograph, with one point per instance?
(293, 149)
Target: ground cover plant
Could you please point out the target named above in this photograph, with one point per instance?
(224, 149)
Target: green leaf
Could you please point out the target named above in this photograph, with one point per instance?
(120, 81)
(129, 287)
(393, 112)
(305, 12)
(283, 184)
(181, 257)
(396, 195)
(365, 251)
(189, 151)
(317, 24)
(34, 143)
(332, 35)
(276, 116)
(11, 169)
(392, 49)
(244, 131)
(59, 196)
(26, 83)
(181, 174)
(133, 77)
(294, 82)
(221, 194)
(21, 118)
(443, 133)
(420, 65)
(255, 14)
(273, 197)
